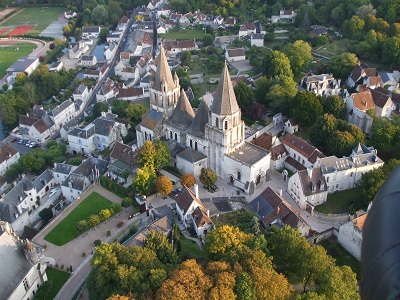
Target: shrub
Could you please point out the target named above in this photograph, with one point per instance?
(108, 232)
(62, 266)
(115, 208)
(126, 202)
(52, 46)
(120, 224)
(82, 226)
(93, 220)
(105, 214)
(97, 243)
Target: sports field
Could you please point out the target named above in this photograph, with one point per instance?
(35, 15)
(8, 54)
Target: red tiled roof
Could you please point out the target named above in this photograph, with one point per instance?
(363, 101)
(6, 151)
(302, 147)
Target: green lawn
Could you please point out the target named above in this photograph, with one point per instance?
(184, 34)
(336, 47)
(66, 230)
(304, 133)
(338, 203)
(33, 15)
(8, 55)
(343, 258)
(190, 249)
(57, 278)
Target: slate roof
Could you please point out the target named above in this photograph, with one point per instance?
(58, 109)
(185, 198)
(6, 152)
(124, 153)
(302, 147)
(191, 155)
(43, 179)
(13, 260)
(183, 113)
(80, 89)
(163, 74)
(162, 225)
(62, 168)
(91, 29)
(270, 206)
(224, 102)
(26, 120)
(294, 163)
(151, 119)
(257, 36)
(22, 64)
(380, 99)
(316, 180)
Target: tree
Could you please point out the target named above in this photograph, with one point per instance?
(276, 64)
(353, 28)
(98, 108)
(146, 155)
(369, 185)
(244, 95)
(365, 10)
(299, 54)
(46, 214)
(163, 185)
(391, 50)
(322, 130)
(208, 177)
(145, 180)
(20, 78)
(158, 242)
(208, 40)
(306, 108)
(335, 106)
(163, 156)
(262, 87)
(385, 135)
(75, 161)
(281, 93)
(66, 30)
(342, 64)
(99, 15)
(340, 144)
(135, 111)
(186, 59)
(187, 180)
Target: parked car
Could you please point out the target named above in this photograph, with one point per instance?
(20, 141)
(214, 188)
(13, 140)
(175, 193)
(32, 145)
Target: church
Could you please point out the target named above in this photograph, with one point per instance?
(212, 137)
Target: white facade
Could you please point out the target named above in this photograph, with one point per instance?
(8, 156)
(63, 113)
(350, 236)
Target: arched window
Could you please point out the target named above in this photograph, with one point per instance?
(176, 136)
(170, 135)
(191, 144)
(239, 175)
(145, 135)
(226, 125)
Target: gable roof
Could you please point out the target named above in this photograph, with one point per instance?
(151, 119)
(224, 102)
(124, 153)
(185, 199)
(236, 52)
(363, 101)
(380, 99)
(200, 217)
(191, 155)
(302, 147)
(26, 120)
(183, 113)
(316, 181)
(40, 126)
(6, 152)
(264, 141)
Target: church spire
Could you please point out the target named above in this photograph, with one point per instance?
(225, 100)
(183, 113)
(163, 80)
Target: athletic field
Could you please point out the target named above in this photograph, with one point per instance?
(38, 16)
(9, 54)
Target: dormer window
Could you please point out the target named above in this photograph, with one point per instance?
(239, 175)
(226, 125)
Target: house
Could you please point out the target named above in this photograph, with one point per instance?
(247, 29)
(41, 130)
(323, 85)
(122, 160)
(163, 10)
(273, 145)
(174, 47)
(161, 225)
(80, 179)
(191, 161)
(123, 23)
(25, 265)
(90, 31)
(56, 66)
(109, 51)
(127, 72)
(61, 172)
(219, 20)
(230, 21)
(192, 212)
(25, 64)
(76, 49)
(204, 19)
(62, 113)
(359, 73)
(290, 126)
(21, 205)
(372, 82)
(257, 39)
(308, 188)
(318, 30)
(285, 16)
(344, 173)
(388, 80)
(114, 37)
(69, 14)
(131, 94)
(300, 150)
(273, 209)
(82, 92)
(154, 4)
(161, 28)
(96, 74)
(8, 156)
(233, 55)
(88, 61)
(350, 235)
(108, 90)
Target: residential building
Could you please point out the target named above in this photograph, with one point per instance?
(62, 113)
(56, 66)
(233, 55)
(96, 74)
(273, 209)
(8, 156)
(360, 72)
(23, 260)
(130, 94)
(163, 10)
(318, 30)
(257, 39)
(350, 235)
(247, 29)
(25, 64)
(285, 16)
(162, 225)
(88, 61)
(69, 14)
(90, 31)
(174, 47)
(61, 172)
(123, 23)
(122, 160)
(77, 49)
(230, 21)
(110, 50)
(108, 90)
(114, 37)
(82, 92)
(323, 85)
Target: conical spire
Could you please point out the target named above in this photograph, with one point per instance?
(183, 113)
(201, 119)
(224, 100)
(163, 74)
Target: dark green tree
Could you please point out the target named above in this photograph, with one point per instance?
(208, 177)
(98, 108)
(342, 64)
(244, 95)
(306, 108)
(277, 63)
(46, 214)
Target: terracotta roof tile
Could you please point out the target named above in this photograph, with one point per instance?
(363, 101)
(6, 151)
(302, 147)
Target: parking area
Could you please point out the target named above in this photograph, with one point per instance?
(21, 148)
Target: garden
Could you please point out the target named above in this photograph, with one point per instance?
(67, 229)
(56, 279)
(339, 202)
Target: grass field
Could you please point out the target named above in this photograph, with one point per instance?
(58, 278)
(8, 55)
(33, 15)
(184, 34)
(343, 258)
(66, 230)
(338, 203)
(190, 249)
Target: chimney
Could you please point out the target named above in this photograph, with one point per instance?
(280, 192)
(309, 171)
(208, 213)
(278, 209)
(196, 190)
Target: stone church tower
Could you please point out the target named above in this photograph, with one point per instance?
(164, 89)
(225, 128)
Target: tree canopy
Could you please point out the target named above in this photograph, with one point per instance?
(208, 177)
(276, 63)
(306, 108)
(299, 54)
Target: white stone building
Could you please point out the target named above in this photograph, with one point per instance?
(257, 39)
(233, 55)
(323, 85)
(8, 156)
(88, 61)
(62, 113)
(91, 31)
